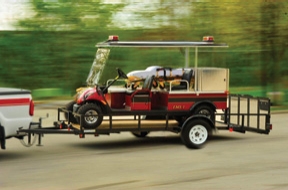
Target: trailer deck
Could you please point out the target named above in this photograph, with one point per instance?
(247, 114)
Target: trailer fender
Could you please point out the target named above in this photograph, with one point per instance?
(206, 108)
(200, 117)
(205, 102)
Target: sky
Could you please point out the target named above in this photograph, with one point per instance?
(11, 11)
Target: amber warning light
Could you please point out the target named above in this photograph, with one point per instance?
(208, 39)
(113, 38)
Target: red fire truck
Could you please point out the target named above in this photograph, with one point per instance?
(195, 103)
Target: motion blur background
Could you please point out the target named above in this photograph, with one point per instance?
(48, 46)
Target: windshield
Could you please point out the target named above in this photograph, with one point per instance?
(97, 66)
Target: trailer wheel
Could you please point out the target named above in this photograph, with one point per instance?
(206, 111)
(69, 107)
(195, 133)
(141, 134)
(92, 116)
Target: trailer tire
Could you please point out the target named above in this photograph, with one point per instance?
(69, 107)
(92, 116)
(195, 133)
(141, 134)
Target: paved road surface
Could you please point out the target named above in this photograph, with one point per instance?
(160, 161)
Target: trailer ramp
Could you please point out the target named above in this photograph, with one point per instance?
(248, 113)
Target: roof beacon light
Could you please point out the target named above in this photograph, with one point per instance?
(113, 38)
(208, 39)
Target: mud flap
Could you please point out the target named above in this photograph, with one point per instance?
(2, 137)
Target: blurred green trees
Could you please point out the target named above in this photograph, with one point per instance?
(56, 47)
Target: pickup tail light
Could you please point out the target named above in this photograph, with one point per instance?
(31, 108)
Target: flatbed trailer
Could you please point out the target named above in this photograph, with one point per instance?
(196, 108)
(246, 113)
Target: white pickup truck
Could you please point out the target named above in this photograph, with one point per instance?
(16, 111)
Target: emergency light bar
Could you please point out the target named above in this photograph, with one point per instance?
(208, 39)
(113, 41)
(113, 38)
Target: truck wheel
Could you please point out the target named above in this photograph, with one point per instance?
(195, 133)
(92, 116)
(205, 110)
(140, 134)
(69, 107)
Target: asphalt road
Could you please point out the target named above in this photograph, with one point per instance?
(160, 161)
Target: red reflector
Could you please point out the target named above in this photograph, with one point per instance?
(31, 108)
(113, 38)
(208, 39)
(271, 126)
(231, 129)
(60, 126)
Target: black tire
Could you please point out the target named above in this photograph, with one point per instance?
(69, 107)
(206, 111)
(195, 133)
(141, 134)
(92, 116)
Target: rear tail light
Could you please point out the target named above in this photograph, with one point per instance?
(31, 108)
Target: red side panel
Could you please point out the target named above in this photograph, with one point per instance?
(159, 100)
(186, 101)
(128, 100)
(141, 102)
(118, 100)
